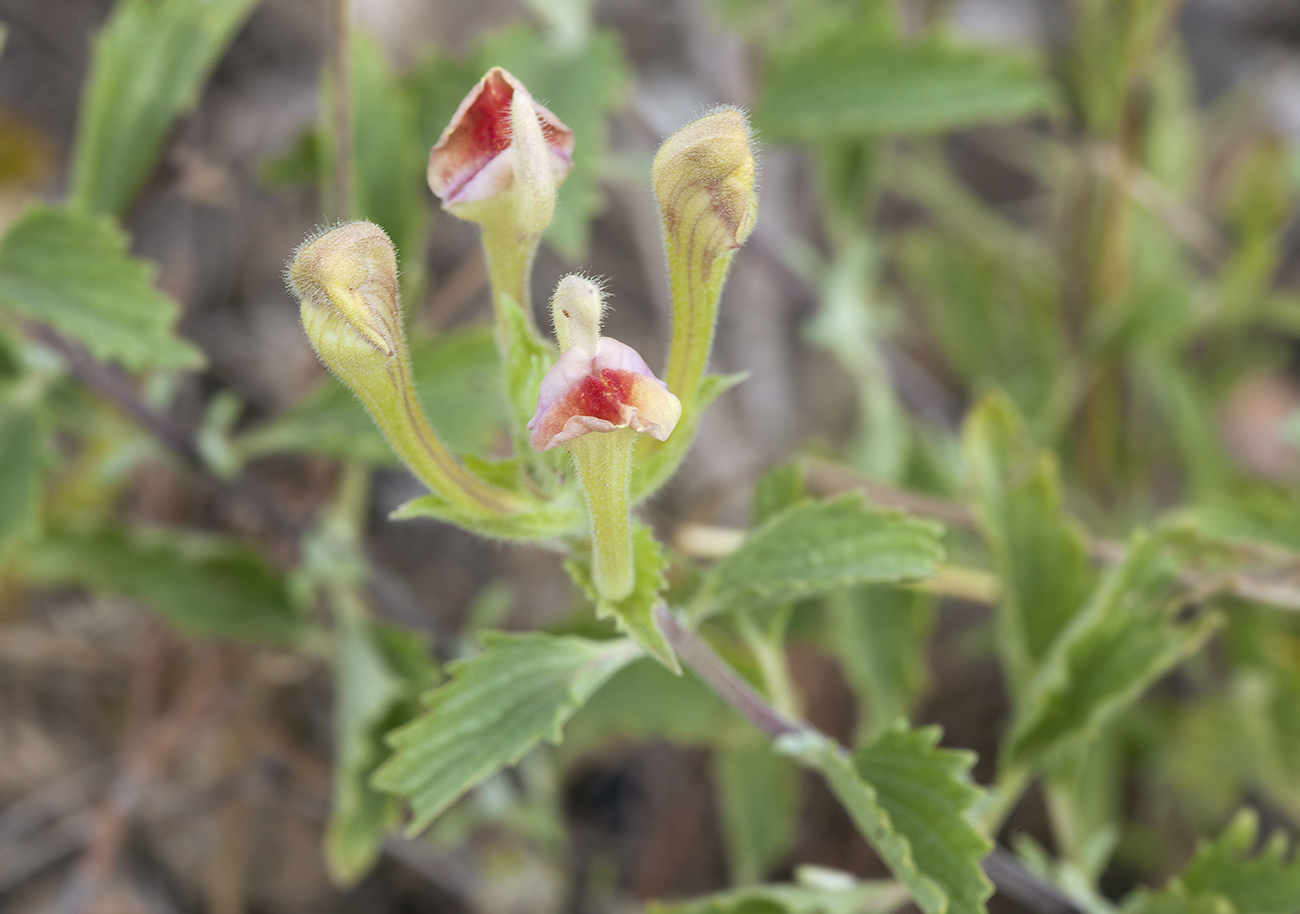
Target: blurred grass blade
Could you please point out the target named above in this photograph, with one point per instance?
(1041, 554)
(379, 669)
(148, 65)
(22, 456)
(1114, 649)
(852, 83)
(207, 587)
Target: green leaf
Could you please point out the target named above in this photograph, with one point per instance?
(1040, 553)
(366, 690)
(22, 458)
(520, 690)
(457, 373)
(72, 271)
(1228, 868)
(547, 521)
(781, 487)
(581, 85)
(1123, 641)
(645, 701)
(148, 65)
(851, 898)
(909, 799)
(841, 543)
(758, 794)
(634, 615)
(851, 83)
(657, 461)
(878, 634)
(1226, 876)
(206, 587)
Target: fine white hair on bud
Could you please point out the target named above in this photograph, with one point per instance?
(577, 308)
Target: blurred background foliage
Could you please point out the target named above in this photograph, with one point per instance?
(1026, 267)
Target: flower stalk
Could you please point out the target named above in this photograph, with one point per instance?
(604, 464)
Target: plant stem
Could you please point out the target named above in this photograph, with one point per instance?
(341, 110)
(725, 682)
(997, 804)
(510, 265)
(604, 461)
(769, 651)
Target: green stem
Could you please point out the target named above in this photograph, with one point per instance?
(1001, 798)
(341, 111)
(510, 267)
(604, 462)
(769, 651)
(696, 273)
(409, 434)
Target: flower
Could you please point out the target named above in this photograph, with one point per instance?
(609, 389)
(490, 143)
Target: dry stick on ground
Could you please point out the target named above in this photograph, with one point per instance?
(157, 746)
(1001, 866)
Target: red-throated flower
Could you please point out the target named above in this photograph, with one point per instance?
(499, 137)
(598, 384)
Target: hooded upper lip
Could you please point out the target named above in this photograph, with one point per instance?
(469, 161)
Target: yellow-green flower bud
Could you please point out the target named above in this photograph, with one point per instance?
(704, 180)
(576, 310)
(346, 281)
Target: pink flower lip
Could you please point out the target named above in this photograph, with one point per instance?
(610, 390)
(470, 161)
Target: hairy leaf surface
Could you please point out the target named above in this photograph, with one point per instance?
(72, 271)
(815, 548)
(520, 690)
(909, 799)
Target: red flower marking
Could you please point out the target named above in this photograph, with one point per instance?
(469, 161)
(612, 389)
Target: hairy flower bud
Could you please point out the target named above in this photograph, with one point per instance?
(576, 310)
(704, 180)
(346, 281)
